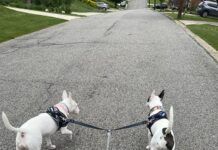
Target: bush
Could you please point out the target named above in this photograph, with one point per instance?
(4, 2)
(51, 5)
(91, 3)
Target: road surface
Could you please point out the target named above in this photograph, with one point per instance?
(111, 63)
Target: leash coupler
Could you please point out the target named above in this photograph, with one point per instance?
(108, 139)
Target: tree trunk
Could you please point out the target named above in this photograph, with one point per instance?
(169, 4)
(180, 9)
(28, 1)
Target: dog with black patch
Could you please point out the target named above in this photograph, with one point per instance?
(160, 133)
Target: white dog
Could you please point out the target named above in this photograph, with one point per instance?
(160, 132)
(29, 135)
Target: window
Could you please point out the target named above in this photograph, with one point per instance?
(212, 5)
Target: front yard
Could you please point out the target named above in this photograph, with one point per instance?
(193, 17)
(14, 24)
(209, 33)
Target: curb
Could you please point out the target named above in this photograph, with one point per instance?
(42, 13)
(208, 48)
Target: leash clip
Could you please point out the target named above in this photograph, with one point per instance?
(108, 138)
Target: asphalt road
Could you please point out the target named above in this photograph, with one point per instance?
(111, 63)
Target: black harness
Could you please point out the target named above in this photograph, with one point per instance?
(154, 118)
(60, 119)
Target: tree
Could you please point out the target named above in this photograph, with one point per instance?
(180, 9)
(161, 1)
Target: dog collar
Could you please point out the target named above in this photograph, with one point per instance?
(155, 108)
(63, 106)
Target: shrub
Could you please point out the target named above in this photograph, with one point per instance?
(51, 5)
(91, 3)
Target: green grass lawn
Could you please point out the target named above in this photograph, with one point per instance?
(152, 1)
(79, 6)
(207, 32)
(192, 17)
(14, 24)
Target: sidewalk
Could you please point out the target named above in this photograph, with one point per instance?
(190, 22)
(60, 16)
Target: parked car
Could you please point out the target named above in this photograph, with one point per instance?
(160, 6)
(123, 3)
(102, 5)
(207, 8)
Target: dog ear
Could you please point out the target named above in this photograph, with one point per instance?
(161, 95)
(153, 93)
(64, 95)
(148, 99)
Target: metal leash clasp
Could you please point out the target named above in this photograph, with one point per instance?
(108, 138)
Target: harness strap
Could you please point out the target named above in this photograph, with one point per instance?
(154, 118)
(59, 118)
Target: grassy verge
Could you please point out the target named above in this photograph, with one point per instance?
(157, 1)
(79, 6)
(208, 33)
(14, 24)
(152, 1)
(192, 17)
(76, 6)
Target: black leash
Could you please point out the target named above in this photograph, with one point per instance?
(61, 120)
(85, 125)
(144, 122)
(132, 125)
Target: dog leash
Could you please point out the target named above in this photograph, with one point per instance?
(109, 131)
(85, 124)
(62, 121)
(121, 128)
(144, 122)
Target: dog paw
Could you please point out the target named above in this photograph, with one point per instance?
(52, 147)
(148, 147)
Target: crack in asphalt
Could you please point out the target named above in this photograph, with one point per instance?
(47, 89)
(13, 49)
(49, 93)
(108, 31)
(70, 43)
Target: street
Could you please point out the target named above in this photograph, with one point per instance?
(111, 63)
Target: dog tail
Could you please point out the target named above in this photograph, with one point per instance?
(170, 127)
(8, 125)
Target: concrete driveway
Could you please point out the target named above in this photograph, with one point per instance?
(111, 63)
